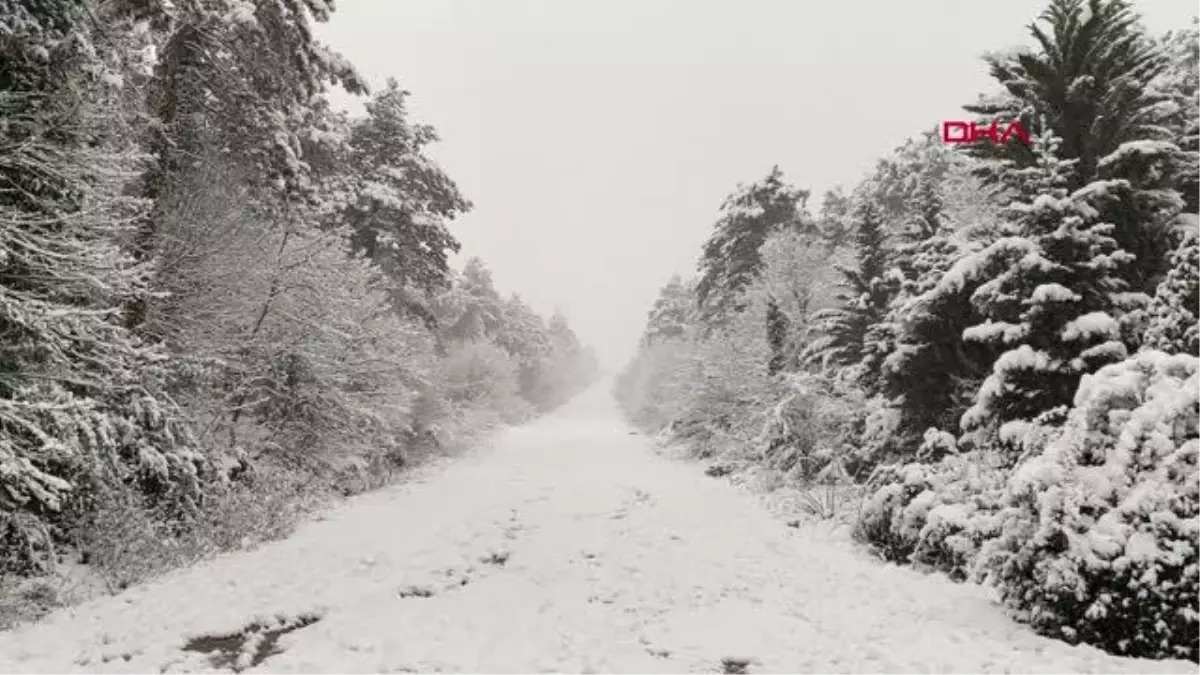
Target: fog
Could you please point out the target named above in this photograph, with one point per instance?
(597, 139)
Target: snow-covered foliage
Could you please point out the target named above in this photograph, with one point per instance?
(811, 432)
(1095, 103)
(1100, 537)
(1173, 312)
(673, 312)
(933, 515)
(842, 331)
(1048, 297)
(731, 259)
(83, 402)
(480, 374)
(400, 201)
(1179, 83)
(216, 293)
(984, 311)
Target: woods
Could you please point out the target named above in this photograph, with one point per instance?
(994, 347)
(222, 301)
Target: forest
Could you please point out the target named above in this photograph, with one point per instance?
(224, 303)
(983, 358)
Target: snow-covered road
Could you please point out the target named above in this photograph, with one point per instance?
(568, 545)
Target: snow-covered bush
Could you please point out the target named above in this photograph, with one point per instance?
(482, 377)
(813, 427)
(1099, 531)
(729, 387)
(1172, 325)
(933, 516)
(649, 390)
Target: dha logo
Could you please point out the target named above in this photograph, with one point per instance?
(972, 132)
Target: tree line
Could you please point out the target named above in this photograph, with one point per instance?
(223, 301)
(996, 345)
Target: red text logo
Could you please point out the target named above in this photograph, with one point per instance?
(973, 132)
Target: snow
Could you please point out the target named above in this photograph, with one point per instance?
(242, 12)
(995, 330)
(1052, 292)
(1139, 148)
(604, 557)
(1093, 324)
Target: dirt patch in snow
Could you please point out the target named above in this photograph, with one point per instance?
(249, 646)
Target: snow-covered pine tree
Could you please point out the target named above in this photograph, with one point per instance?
(1172, 313)
(523, 336)
(835, 219)
(1053, 299)
(1180, 82)
(472, 309)
(842, 330)
(1084, 81)
(83, 414)
(400, 202)
(1089, 82)
(236, 84)
(730, 260)
(673, 312)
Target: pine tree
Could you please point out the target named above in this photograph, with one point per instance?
(1052, 298)
(1180, 83)
(523, 335)
(914, 353)
(672, 313)
(778, 329)
(83, 413)
(835, 219)
(730, 260)
(842, 330)
(1172, 327)
(472, 309)
(1089, 83)
(1085, 82)
(902, 184)
(400, 202)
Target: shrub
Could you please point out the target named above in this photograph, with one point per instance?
(812, 430)
(1099, 531)
(934, 516)
(126, 540)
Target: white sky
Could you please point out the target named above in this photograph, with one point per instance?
(597, 139)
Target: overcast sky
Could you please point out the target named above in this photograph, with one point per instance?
(597, 139)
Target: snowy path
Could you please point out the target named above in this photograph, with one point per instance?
(567, 546)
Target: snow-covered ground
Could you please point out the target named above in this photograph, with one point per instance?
(568, 545)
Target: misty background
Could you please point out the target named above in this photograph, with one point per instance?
(597, 139)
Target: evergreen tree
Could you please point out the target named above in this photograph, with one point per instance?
(83, 413)
(1180, 83)
(914, 353)
(1085, 82)
(401, 202)
(842, 330)
(1089, 83)
(730, 260)
(835, 221)
(473, 310)
(1172, 327)
(903, 183)
(523, 335)
(778, 330)
(1052, 298)
(671, 314)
